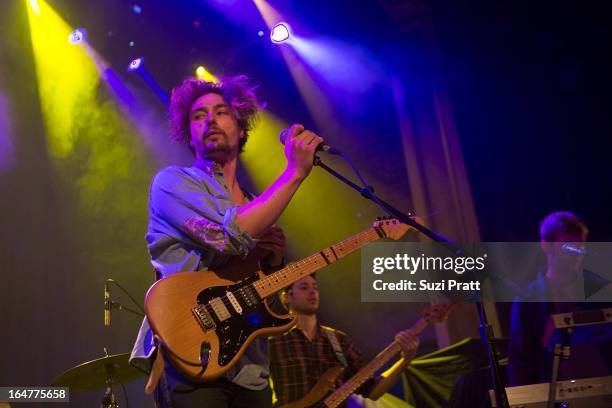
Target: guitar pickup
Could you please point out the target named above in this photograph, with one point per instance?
(234, 302)
(221, 311)
(248, 295)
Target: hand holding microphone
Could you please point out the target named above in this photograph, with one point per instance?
(322, 147)
(300, 148)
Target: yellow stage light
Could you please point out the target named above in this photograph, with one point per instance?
(202, 73)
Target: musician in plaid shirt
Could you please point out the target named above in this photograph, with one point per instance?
(299, 357)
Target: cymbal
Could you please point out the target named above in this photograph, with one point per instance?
(96, 374)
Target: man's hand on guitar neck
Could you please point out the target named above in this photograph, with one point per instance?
(409, 342)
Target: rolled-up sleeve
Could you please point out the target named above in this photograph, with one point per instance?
(188, 207)
(240, 239)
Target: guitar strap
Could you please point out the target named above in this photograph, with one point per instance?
(333, 339)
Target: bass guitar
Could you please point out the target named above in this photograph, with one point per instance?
(316, 398)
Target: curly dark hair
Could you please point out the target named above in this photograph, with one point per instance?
(236, 92)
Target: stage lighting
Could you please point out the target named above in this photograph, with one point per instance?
(202, 73)
(135, 64)
(279, 33)
(137, 9)
(77, 36)
(260, 33)
(35, 7)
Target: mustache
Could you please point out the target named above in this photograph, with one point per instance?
(214, 130)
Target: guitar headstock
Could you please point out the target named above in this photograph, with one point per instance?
(438, 312)
(392, 227)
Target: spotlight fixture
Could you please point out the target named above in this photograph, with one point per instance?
(135, 64)
(138, 67)
(280, 32)
(137, 9)
(202, 73)
(77, 36)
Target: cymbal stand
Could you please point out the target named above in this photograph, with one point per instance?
(109, 400)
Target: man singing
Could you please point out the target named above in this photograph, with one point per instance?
(201, 219)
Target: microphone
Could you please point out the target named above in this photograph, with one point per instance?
(574, 249)
(107, 303)
(322, 147)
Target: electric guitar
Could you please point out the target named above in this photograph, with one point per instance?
(435, 313)
(204, 321)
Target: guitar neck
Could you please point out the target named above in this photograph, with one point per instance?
(349, 387)
(297, 270)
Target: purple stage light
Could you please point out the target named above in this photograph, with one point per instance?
(137, 9)
(77, 36)
(135, 64)
(280, 32)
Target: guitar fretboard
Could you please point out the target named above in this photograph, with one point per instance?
(346, 389)
(297, 270)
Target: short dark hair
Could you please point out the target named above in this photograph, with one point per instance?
(236, 92)
(561, 222)
(288, 288)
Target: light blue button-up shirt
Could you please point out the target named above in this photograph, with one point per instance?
(192, 228)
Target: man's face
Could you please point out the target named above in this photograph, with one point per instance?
(559, 258)
(304, 296)
(214, 131)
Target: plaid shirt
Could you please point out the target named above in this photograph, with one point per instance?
(296, 363)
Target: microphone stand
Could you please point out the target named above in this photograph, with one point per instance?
(561, 350)
(485, 329)
(112, 304)
(117, 305)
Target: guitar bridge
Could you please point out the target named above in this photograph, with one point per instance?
(203, 318)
